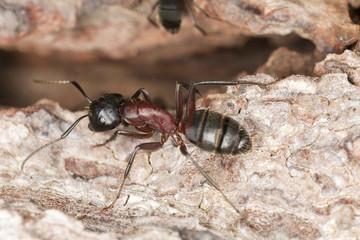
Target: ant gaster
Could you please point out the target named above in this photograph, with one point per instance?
(206, 129)
(171, 11)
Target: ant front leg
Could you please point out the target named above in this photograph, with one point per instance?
(144, 93)
(204, 12)
(152, 146)
(128, 134)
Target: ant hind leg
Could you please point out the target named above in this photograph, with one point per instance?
(207, 177)
(193, 18)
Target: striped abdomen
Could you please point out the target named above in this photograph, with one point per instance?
(215, 132)
(170, 13)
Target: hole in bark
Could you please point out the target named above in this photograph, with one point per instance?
(354, 14)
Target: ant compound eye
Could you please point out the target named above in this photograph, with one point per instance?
(101, 121)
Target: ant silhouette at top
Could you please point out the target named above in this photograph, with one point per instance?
(171, 11)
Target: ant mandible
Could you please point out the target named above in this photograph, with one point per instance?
(206, 129)
(171, 11)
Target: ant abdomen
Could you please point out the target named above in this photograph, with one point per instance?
(216, 132)
(170, 13)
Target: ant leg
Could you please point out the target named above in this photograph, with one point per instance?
(193, 18)
(150, 13)
(179, 101)
(145, 94)
(207, 177)
(190, 109)
(198, 7)
(204, 12)
(135, 4)
(152, 146)
(128, 134)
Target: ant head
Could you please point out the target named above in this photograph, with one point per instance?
(104, 112)
(103, 115)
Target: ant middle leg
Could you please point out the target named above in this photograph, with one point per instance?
(135, 4)
(202, 11)
(152, 146)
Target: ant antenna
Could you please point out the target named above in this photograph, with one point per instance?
(65, 82)
(69, 130)
(64, 135)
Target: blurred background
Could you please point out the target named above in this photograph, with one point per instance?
(110, 46)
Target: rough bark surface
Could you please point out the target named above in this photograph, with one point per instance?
(88, 29)
(348, 63)
(300, 181)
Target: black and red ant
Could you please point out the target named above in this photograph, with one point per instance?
(206, 129)
(171, 11)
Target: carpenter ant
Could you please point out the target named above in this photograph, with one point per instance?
(206, 129)
(171, 11)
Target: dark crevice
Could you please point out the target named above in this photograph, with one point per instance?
(126, 76)
(354, 14)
